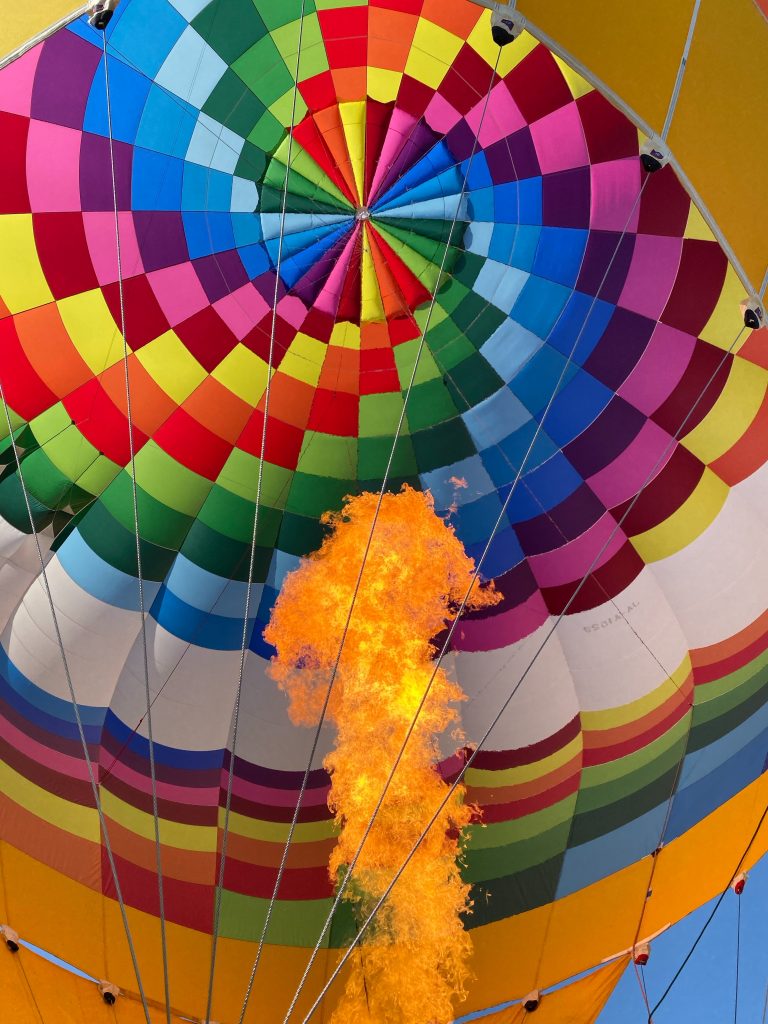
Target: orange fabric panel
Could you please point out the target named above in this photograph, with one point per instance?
(581, 1002)
(35, 991)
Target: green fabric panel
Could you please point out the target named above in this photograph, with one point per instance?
(299, 535)
(621, 790)
(267, 132)
(375, 453)
(240, 475)
(229, 515)
(467, 267)
(223, 556)
(306, 178)
(233, 104)
(271, 200)
(433, 445)
(251, 162)
(312, 495)
(453, 351)
(380, 414)
(169, 481)
(452, 294)
(116, 545)
(472, 381)
(595, 823)
(405, 356)
(497, 861)
(14, 507)
(313, 57)
(293, 922)
(230, 27)
(263, 69)
(43, 480)
(713, 729)
(329, 455)
(276, 14)
(514, 894)
(158, 523)
(429, 404)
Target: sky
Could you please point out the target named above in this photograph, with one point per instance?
(705, 991)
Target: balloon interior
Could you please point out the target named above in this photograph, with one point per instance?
(383, 586)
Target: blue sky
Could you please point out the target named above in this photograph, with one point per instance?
(704, 992)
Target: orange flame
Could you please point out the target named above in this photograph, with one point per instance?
(412, 963)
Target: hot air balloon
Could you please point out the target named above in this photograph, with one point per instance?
(260, 255)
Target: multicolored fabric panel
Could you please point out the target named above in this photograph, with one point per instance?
(579, 338)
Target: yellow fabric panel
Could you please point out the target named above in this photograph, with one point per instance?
(22, 282)
(172, 366)
(716, 135)
(244, 373)
(729, 419)
(581, 1002)
(689, 521)
(20, 22)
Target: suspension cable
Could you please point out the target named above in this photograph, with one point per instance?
(681, 71)
(76, 711)
(710, 918)
(412, 725)
(366, 551)
(254, 533)
(738, 959)
(505, 704)
(137, 533)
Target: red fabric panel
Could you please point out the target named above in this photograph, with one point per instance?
(102, 423)
(334, 413)
(537, 85)
(64, 254)
(14, 197)
(144, 319)
(193, 445)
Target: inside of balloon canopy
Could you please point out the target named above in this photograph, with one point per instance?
(434, 262)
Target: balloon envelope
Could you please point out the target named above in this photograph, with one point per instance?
(583, 358)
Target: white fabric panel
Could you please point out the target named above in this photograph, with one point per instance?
(718, 585)
(544, 702)
(96, 639)
(19, 566)
(625, 649)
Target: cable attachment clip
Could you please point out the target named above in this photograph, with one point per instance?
(10, 937)
(641, 953)
(754, 314)
(506, 23)
(100, 13)
(739, 882)
(531, 1001)
(108, 992)
(654, 154)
